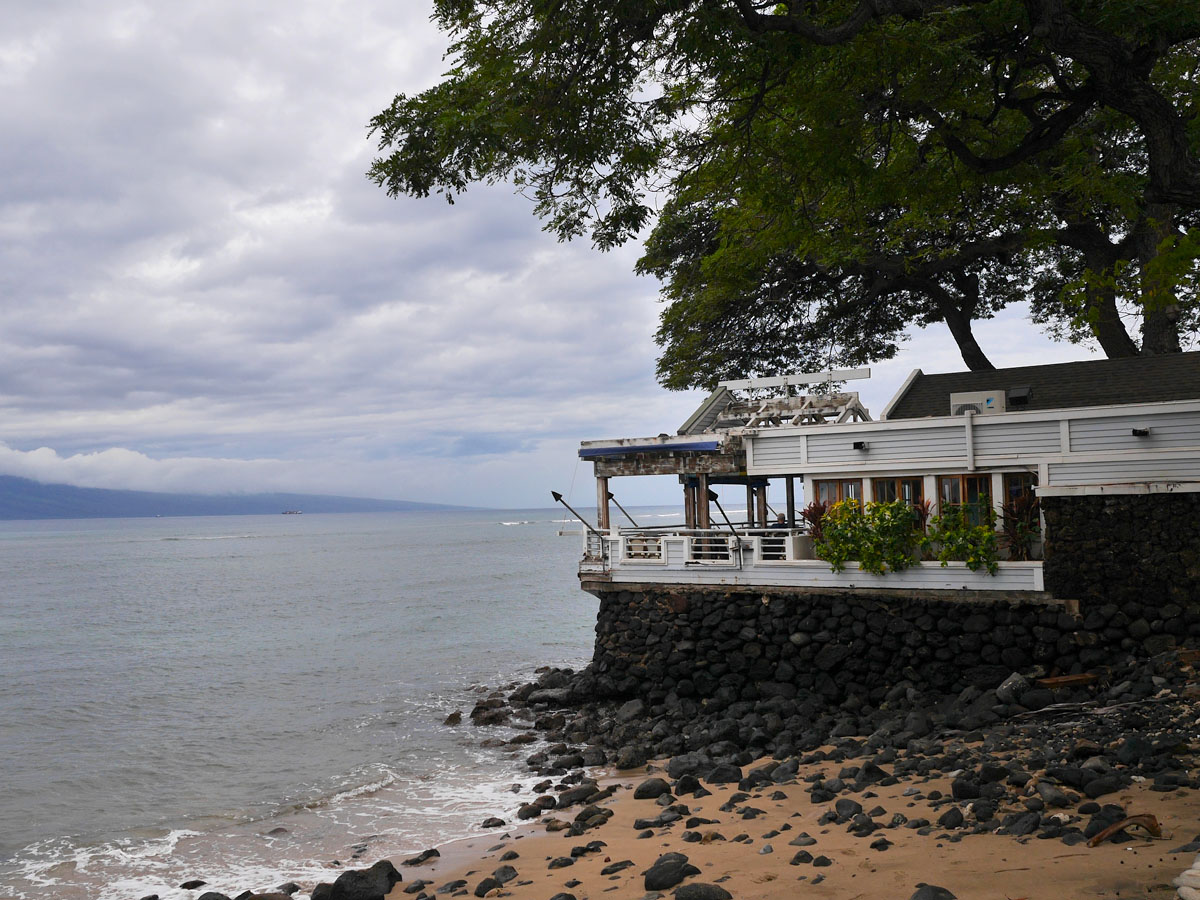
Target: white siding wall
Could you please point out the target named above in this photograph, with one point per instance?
(1177, 468)
(1075, 446)
(995, 437)
(884, 445)
(1166, 432)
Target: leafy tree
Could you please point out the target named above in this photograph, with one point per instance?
(837, 170)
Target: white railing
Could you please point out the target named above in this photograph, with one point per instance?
(770, 556)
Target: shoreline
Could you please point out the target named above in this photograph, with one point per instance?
(1007, 809)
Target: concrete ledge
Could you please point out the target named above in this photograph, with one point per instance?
(597, 585)
(1120, 489)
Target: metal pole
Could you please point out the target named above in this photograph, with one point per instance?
(559, 499)
(622, 509)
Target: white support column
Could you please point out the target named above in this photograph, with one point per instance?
(602, 502)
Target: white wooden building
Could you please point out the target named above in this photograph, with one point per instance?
(1126, 426)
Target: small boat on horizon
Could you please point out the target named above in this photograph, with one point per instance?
(293, 512)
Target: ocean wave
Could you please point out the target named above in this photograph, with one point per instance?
(523, 522)
(210, 537)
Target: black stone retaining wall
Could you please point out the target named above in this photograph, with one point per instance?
(655, 640)
(1127, 549)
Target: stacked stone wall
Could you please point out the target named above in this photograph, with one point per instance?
(692, 642)
(1128, 550)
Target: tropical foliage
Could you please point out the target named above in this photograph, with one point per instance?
(820, 177)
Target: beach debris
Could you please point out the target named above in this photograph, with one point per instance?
(1144, 822)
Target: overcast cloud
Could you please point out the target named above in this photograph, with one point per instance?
(200, 290)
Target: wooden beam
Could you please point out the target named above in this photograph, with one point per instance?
(804, 378)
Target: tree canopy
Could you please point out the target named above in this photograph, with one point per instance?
(829, 173)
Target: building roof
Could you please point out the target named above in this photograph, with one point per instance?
(1093, 382)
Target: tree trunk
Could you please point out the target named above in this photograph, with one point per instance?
(959, 324)
(1106, 325)
(1160, 317)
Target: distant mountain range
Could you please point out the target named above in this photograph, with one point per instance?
(21, 498)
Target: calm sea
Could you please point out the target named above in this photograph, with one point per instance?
(244, 699)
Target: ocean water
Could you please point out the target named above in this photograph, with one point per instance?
(246, 699)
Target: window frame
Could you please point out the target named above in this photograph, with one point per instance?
(840, 484)
(963, 481)
(896, 482)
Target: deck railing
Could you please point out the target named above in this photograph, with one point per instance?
(768, 556)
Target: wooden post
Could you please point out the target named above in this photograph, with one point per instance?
(763, 515)
(702, 502)
(749, 506)
(602, 502)
(689, 505)
(790, 485)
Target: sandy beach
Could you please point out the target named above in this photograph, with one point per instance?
(771, 843)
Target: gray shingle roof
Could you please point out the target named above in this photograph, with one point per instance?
(1093, 382)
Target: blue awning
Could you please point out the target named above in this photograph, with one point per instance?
(625, 449)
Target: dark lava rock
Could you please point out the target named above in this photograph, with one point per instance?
(951, 818)
(492, 822)
(702, 891)
(505, 874)
(822, 861)
(1020, 824)
(614, 868)
(372, 883)
(193, 884)
(213, 895)
(560, 862)
(289, 887)
(801, 858)
(932, 892)
(451, 886)
(630, 758)
(651, 788)
(527, 811)
(1105, 784)
(455, 718)
(847, 808)
(726, 773)
(668, 870)
(488, 884)
(563, 895)
(423, 856)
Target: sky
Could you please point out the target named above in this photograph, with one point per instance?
(201, 291)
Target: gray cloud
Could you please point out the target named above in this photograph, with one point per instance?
(200, 290)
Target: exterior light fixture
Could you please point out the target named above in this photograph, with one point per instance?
(1141, 432)
(861, 446)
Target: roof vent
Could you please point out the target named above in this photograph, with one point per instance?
(1019, 396)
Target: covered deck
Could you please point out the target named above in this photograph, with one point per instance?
(982, 438)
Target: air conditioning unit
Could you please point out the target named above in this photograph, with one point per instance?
(980, 403)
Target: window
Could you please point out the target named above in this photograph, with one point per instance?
(973, 492)
(835, 490)
(1018, 485)
(911, 490)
